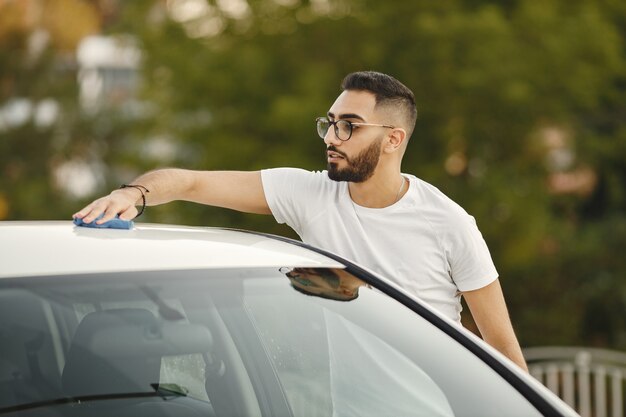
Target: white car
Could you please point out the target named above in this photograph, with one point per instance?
(184, 321)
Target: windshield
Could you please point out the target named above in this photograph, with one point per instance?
(250, 342)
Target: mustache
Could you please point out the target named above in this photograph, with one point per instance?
(332, 148)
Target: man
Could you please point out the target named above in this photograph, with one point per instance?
(363, 207)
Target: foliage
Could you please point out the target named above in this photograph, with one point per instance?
(492, 80)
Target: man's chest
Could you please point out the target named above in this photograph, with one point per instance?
(405, 240)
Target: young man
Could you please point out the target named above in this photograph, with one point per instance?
(362, 207)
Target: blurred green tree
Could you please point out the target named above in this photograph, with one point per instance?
(39, 114)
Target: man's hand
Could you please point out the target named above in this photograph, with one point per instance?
(120, 202)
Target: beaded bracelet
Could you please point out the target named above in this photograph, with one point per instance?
(141, 189)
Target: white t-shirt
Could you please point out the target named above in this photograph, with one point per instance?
(424, 242)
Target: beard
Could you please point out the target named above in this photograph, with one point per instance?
(360, 168)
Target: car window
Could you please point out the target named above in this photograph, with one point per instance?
(330, 365)
(232, 343)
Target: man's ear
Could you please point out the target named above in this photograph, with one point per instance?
(395, 139)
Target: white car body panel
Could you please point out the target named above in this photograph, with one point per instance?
(145, 247)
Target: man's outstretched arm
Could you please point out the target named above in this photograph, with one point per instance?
(492, 318)
(237, 190)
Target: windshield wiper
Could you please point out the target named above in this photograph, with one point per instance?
(170, 390)
(164, 391)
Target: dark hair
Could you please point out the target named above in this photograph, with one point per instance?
(328, 295)
(387, 91)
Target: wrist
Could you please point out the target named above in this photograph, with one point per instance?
(131, 193)
(143, 190)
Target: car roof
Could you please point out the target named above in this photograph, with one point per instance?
(36, 248)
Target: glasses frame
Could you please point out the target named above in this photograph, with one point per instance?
(349, 123)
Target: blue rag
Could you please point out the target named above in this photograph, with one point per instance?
(115, 223)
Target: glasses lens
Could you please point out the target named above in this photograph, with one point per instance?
(343, 129)
(322, 126)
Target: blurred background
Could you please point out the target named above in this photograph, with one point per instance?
(522, 120)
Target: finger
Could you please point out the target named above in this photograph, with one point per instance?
(83, 212)
(129, 214)
(95, 210)
(110, 212)
(91, 215)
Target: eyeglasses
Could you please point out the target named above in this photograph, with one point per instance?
(343, 128)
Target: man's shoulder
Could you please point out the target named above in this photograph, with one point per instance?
(429, 194)
(435, 205)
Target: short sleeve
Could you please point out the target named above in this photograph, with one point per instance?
(286, 191)
(471, 266)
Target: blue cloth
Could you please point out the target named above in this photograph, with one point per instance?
(115, 223)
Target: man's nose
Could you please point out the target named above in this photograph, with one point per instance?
(331, 138)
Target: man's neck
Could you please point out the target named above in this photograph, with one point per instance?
(379, 191)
